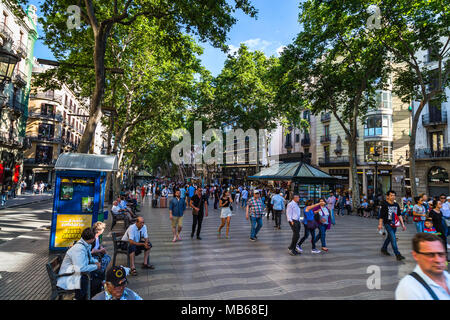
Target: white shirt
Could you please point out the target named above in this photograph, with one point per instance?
(133, 233)
(411, 289)
(115, 209)
(293, 211)
(446, 209)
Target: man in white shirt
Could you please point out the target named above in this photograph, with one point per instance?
(116, 209)
(137, 237)
(293, 217)
(430, 279)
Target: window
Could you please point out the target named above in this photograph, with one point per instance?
(326, 130)
(326, 151)
(306, 150)
(297, 137)
(44, 154)
(47, 109)
(377, 125)
(383, 100)
(437, 141)
(438, 175)
(383, 147)
(46, 130)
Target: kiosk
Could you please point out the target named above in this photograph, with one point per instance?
(79, 194)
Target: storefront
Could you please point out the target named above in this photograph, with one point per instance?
(301, 178)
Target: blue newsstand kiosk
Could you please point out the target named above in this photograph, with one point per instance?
(79, 195)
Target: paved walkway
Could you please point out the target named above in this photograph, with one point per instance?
(233, 268)
(25, 199)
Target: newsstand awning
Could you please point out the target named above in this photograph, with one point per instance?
(86, 162)
(295, 171)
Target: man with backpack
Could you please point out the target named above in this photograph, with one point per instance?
(390, 217)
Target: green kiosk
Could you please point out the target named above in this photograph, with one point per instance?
(78, 199)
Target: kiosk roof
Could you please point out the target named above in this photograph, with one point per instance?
(86, 162)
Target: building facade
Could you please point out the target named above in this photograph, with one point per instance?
(386, 130)
(432, 140)
(18, 36)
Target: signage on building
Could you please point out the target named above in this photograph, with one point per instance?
(69, 228)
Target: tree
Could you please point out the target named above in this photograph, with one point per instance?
(333, 65)
(408, 28)
(209, 20)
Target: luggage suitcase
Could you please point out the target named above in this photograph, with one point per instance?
(154, 203)
(163, 202)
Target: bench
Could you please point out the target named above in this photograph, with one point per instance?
(120, 247)
(53, 269)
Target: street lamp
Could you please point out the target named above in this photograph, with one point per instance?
(8, 62)
(376, 158)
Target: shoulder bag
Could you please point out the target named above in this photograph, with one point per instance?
(425, 285)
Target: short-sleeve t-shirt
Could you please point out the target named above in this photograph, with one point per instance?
(225, 202)
(133, 233)
(388, 210)
(420, 210)
(199, 202)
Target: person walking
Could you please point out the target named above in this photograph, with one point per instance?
(225, 215)
(199, 210)
(238, 196)
(324, 222)
(277, 203)
(176, 211)
(143, 193)
(255, 211)
(419, 213)
(310, 227)
(244, 197)
(430, 279)
(436, 217)
(391, 218)
(293, 217)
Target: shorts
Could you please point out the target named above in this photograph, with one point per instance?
(225, 213)
(137, 250)
(177, 221)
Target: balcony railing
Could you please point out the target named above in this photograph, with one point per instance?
(19, 76)
(41, 115)
(5, 31)
(386, 158)
(17, 105)
(324, 139)
(21, 49)
(427, 153)
(430, 120)
(45, 138)
(47, 96)
(6, 139)
(325, 117)
(333, 161)
(306, 142)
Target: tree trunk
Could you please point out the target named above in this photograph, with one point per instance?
(354, 184)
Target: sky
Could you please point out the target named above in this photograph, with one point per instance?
(276, 25)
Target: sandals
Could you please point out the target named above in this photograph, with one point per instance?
(146, 266)
(133, 272)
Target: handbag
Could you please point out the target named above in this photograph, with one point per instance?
(317, 217)
(417, 218)
(311, 224)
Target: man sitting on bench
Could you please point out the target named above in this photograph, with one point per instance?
(137, 237)
(116, 209)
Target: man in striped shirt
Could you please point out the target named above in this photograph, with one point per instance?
(256, 209)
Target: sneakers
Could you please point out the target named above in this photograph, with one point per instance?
(299, 249)
(292, 253)
(315, 251)
(400, 257)
(252, 239)
(385, 252)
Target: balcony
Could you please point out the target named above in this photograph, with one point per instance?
(383, 159)
(5, 31)
(325, 139)
(16, 105)
(49, 95)
(40, 115)
(434, 119)
(325, 117)
(20, 78)
(334, 161)
(21, 49)
(429, 154)
(8, 140)
(45, 138)
(306, 142)
(45, 162)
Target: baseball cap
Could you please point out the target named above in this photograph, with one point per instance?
(116, 275)
(448, 197)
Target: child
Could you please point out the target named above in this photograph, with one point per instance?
(407, 211)
(429, 227)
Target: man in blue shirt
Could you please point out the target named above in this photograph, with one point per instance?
(278, 207)
(176, 211)
(191, 191)
(244, 197)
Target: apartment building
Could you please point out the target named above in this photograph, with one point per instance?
(56, 123)
(382, 148)
(432, 140)
(18, 36)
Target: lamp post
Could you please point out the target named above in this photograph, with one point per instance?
(8, 62)
(376, 158)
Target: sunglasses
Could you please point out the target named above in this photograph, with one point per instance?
(432, 254)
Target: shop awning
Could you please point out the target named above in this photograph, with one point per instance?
(86, 162)
(295, 171)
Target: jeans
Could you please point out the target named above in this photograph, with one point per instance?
(216, 202)
(313, 237)
(322, 234)
(3, 199)
(277, 214)
(390, 238)
(419, 226)
(295, 234)
(197, 219)
(96, 286)
(244, 202)
(257, 223)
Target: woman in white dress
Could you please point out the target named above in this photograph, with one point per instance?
(225, 214)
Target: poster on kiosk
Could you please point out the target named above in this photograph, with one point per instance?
(79, 196)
